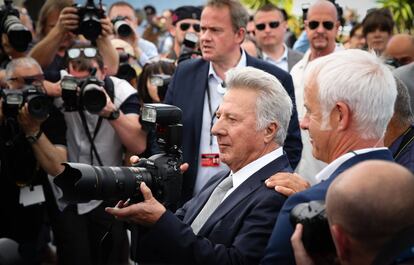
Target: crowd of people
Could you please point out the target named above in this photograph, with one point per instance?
(268, 124)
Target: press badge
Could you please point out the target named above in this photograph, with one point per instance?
(210, 160)
(30, 195)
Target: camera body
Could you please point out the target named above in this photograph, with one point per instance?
(316, 235)
(161, 172)
(89, 16)
(19, 36)
(14, 99)
(89, 96)
(121, 27)
(189, 47)
(161, 81)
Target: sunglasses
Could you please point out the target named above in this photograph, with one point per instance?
(36, 80)
(328, 25)
(272, 25)
(186, 26)
(89, 52)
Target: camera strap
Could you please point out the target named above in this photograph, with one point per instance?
(90, 137)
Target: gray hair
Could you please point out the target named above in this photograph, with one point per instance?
(21, 62)
(402, 107)
(238, 14)
(362, 81)
(273, 103)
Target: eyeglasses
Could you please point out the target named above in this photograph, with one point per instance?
(89, 52)
(272, 25)
(36, 80)
(186, 26)
(328, 25)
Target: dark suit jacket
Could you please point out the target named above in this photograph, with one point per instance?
(236, 233)
(279, 250)
(187, 90)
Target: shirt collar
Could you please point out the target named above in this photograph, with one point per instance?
(284, 56)
(245, 172)
(242, 63)
(334, 165)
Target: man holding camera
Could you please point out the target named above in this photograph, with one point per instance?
(363, 229)
(230, 220)
(97, 134)
(32, 145)
(349, 100)
(144, 50)
(223, 25)
(186, 22)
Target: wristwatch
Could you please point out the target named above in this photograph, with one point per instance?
(34, 137)
(113, 115)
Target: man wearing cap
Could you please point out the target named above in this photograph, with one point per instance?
(185, 19)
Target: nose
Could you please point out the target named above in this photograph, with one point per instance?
(304, 123)
(218, 128)
(204, 35)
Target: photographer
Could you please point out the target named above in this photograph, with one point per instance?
(95, 137)
(58, 20)
(124, 13)
(359, 225)
(30, 148)
(186, 20)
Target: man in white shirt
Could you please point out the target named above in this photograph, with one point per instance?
(270, 35)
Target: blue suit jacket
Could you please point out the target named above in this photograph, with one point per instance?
(236, 233)
(187, 91)
(279, 250)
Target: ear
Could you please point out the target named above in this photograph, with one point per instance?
(240, 35)
(270, 132)
(341, 116)
(342, 242)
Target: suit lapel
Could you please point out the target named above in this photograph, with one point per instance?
(253, 183)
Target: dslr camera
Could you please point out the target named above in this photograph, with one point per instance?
(189, 47)
(89, 16)
(121, 27)
(80, 94)
(161, 172)
(316, 235)
(19, 36)
(161, 81)
(14, 99)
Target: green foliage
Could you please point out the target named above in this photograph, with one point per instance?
(256, 4)
(403, 13)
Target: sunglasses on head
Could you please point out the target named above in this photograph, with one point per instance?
(186, 26)
(328, 25)
(89, 52)
(36, 80)
(272, 25)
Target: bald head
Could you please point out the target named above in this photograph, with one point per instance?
(371, 202)
(323, 6)
(401, 47)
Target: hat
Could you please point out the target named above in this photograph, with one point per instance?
(185, 12)
(124, 46)
(150, 10)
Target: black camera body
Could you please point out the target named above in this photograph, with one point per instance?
(89, 96)
(14, 99)
(189, 47)
(161, 172)
(316, 235)
(19, 36)
(89, 20)
(121, 27)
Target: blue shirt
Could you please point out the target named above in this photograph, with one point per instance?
(148, 51)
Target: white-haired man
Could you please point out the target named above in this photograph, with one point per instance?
(251, 129)
(349, 100)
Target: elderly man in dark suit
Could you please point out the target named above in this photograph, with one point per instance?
(197, 88)
(230, 220)
(349, 100)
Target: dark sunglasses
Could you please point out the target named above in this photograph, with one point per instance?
(36, 80)
(186, 26)
(328, 25)
(88, 52)
(272, 25)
